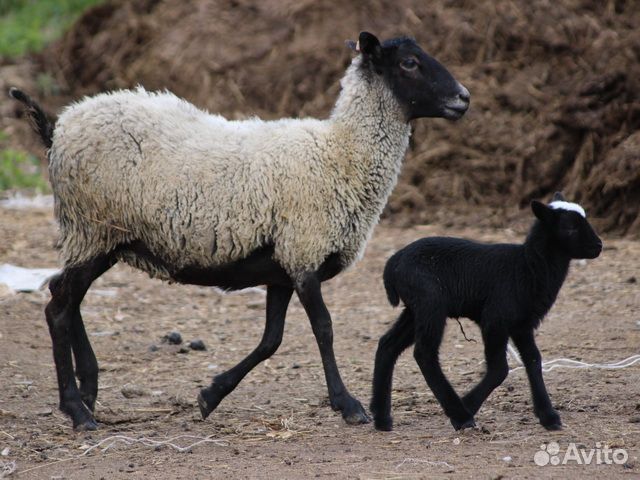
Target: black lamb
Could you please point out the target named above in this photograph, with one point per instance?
(505, 288)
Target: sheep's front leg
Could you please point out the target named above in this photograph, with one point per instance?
(277, 302)
(308, 290)
(526, 345)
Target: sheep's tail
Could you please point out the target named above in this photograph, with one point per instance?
(39, 120)
(389, 281)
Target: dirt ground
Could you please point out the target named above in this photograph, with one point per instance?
(278, 424)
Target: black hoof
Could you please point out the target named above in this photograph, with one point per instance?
(352, 411)
(384, 424)
(205, 409)
(209, 399)
(553, 426)
(470, 423)
(550, 420)
(87, 425)
(356, 418)
(80, 415)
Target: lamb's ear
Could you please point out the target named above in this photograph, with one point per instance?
(541, 211)
(558, 197)
(369, 45)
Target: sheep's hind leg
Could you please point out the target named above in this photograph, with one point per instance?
(526, 345)
(223, 384)
(311, 298)
(399, 337)
(67, 331)
(429, 331)
(495, 352)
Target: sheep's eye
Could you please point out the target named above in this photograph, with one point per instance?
(409, 64)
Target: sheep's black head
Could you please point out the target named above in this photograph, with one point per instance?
(421, 84)
(568, 226)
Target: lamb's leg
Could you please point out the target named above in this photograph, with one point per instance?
(63, 317)
(399, 337)
(310, 296)
(224, 383)
(429, 331)
(526, 345)
(495, 353)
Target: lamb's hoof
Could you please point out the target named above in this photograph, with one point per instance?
(80, 415)
(470, 423)
(86, 426)
(354, 413)
(553, 426)
(550, 420)
(384, 424)
(209, 399)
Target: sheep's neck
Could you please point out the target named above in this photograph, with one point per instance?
(369, 116)
(548, 267)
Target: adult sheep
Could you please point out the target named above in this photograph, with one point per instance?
(190, 197)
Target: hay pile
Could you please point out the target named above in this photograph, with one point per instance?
(555, 85)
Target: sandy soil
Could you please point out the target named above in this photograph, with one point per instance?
(278, 424)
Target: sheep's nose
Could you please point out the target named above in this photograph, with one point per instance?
(464, 94)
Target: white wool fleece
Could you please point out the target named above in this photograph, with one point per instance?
(200, 190)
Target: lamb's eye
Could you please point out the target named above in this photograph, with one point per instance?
(409, 64)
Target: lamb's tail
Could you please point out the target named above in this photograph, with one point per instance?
(39, 120)
(389, 281)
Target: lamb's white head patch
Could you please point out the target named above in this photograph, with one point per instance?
(573, 207)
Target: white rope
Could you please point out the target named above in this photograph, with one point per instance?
(7, 468)
(569, 363)
(155, 443)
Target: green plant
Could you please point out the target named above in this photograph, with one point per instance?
(21, 170)
(28, 25)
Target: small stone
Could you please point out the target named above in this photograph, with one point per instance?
(456, 441)
(295, 366)
(45, 412)
(197, 345)
(131, 391)
(5, 452)
(153, 348)
(173, 338)
(183, 350)
(632, 280)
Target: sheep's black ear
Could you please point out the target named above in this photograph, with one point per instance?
(558, 197)
(369, 45)
(541, 211)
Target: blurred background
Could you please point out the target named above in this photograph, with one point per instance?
(555, 87)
